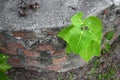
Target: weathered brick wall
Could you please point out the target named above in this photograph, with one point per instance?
(33, 50)
(42, 50)
(39, 48)
(36, 50)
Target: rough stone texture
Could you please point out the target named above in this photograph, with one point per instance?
(111, 22)
(41, 50)
(117, 3)
(51, 13)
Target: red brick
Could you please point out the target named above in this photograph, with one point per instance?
(15, 62)
(3, 50)
(51, 33)
(12, 52)
(1, 36)
(59, 60)
(32, 68)
(46, 47)
(31, 53)
(106, 11)
(61, 51)
(33, 62)
(1, 44)
(14, 45)
(55, 67)
(24, 34)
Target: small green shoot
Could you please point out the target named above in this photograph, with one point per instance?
(70, 76)
(109, 35)
(107, 47)
(59, 78)
(83, 36)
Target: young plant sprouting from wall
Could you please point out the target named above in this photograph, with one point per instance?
(83, 36)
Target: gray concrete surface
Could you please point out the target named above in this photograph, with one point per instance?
(51, 13)
(117, 3)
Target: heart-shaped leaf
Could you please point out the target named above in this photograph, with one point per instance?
(83, 37)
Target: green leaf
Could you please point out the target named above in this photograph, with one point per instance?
(76, 20)
(68, 49)
(99, 35)
(83, 37)
(3, 76)
(77, 40)
(86, 55)
(93, 23)
(95, 48)
(109, 35)
(3, 63)
(107, 47)
(64, 34)
(4, 67)
(92, 50)
(90, 35)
